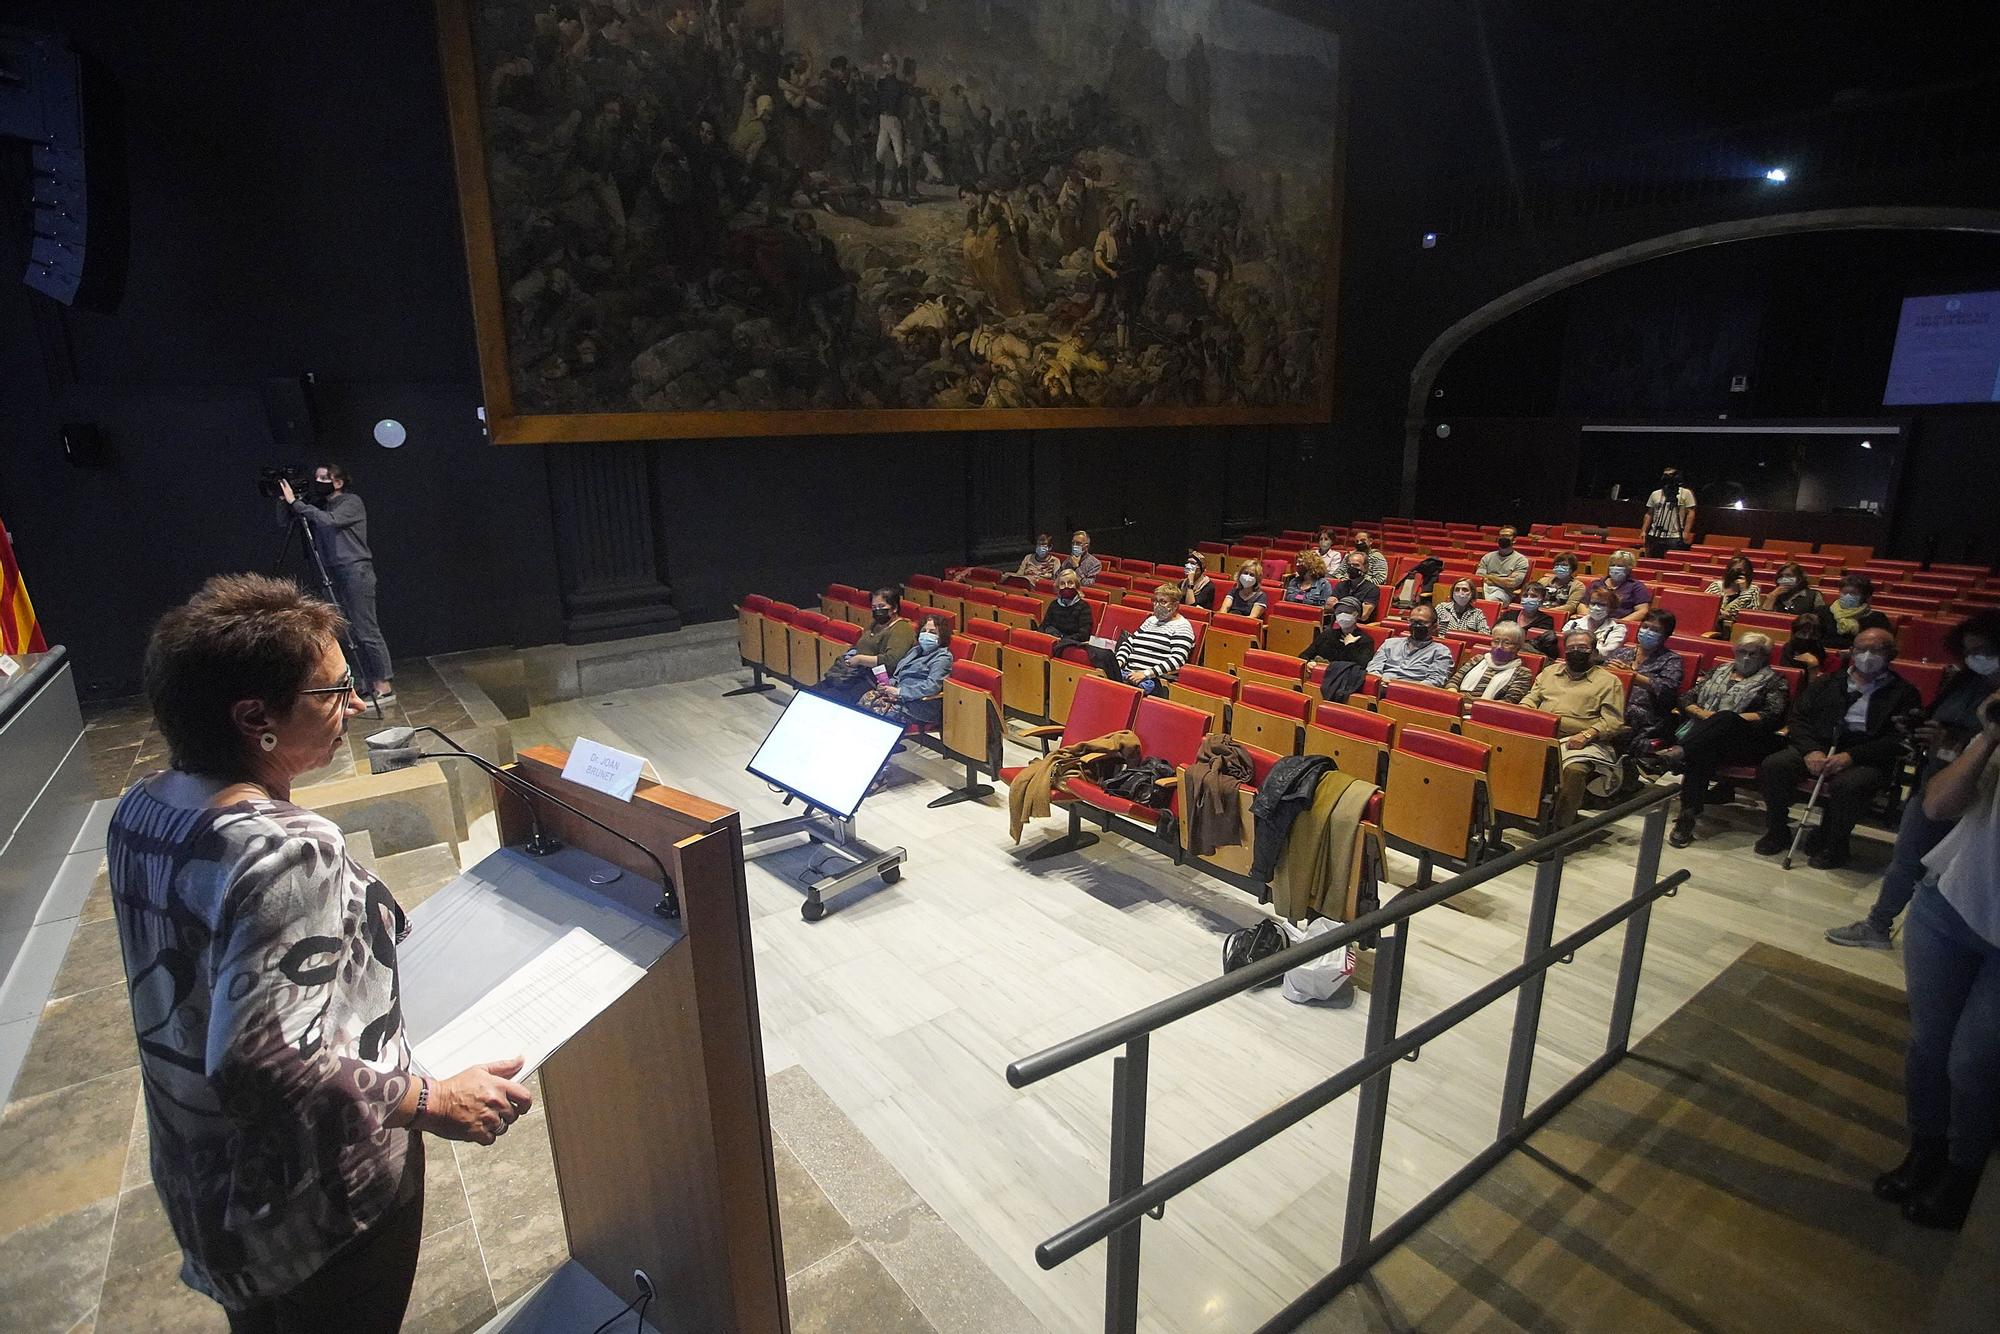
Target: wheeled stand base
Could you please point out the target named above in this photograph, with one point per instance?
(837, 835)
(758, 685)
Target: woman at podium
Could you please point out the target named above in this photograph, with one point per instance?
(261, 963)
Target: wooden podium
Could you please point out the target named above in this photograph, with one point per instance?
(656, 1110)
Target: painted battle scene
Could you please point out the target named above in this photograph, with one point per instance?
(882, 204)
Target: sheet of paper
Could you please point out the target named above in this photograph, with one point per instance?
(594, 765)
(540, 1006)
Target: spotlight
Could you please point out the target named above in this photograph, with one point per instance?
(1777, 175)
(1430, 240)
(1867, 444)
(1739, 504)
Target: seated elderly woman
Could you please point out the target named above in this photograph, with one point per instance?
(1307, 582)
(1457, 614)
(1599, 616)
(1150, 656)
(1497, 673)
(1070, 616)
(280, 1098)
(1849, 614)
(1634, 598)
(1589, 705)
(1731, 717)
(1416, 656)
(1563, 588)
(1656, 679)
(1739, 593)
(1792, 592)
(1041, 563)
(910, 695)
(1246, 597)
(1530, 612)
(887, 637)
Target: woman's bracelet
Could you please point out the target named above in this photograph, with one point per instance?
(423, 1098)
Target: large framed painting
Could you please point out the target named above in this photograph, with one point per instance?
(700, 218)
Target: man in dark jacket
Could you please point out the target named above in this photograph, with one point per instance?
(340, 533)
(1353, 582)
(1847, 728)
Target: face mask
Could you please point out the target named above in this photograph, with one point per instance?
(1983, 664)
(1531, 604)
(1650, 638)
(1871, 663)
(1194, 570)
(883, 614)
(1066, 596)
(1247, 579)
(1749, 664)
(1506, 544)
(1850, 600)
(1503, 653)
(1578, 659)
(1461, 600)
(1355, 572)
(1165, 613)
(927, 641)
(1076, 548)
(1562, 571)
(1788, 581)
(1345, 620)
(1597, 615)
(1041, 551)
(1361, 546)
(1420, 631)
(1618, 573)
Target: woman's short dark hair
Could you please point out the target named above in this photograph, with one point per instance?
(936, 622)
(241, 636)
(1662, 618)
(891, 594)
(1984, 623)
(1859, 581)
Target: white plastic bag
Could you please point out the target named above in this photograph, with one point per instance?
(1321, 979)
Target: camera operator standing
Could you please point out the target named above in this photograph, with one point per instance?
(340, 531)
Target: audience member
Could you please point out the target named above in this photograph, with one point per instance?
(1246, 597)
(884, 641)
(1563, 588)
(1327, 550)
(1792, 592)
(1731, 717)
(1041, 563)
(1847, 616)
(1151, 654)
(1588, 703)
(1458, 614)
(1503, 568)
(1307, 582)
(910, 696)
(1197, 589)
(1951, 958)
(1539, 628)
(1634, 598)
(1669, 515)
(1805, 650)
(1377, 563)
(1739, 592)
(1599, 616)
(1345, 648)
(1416, 656)
(1656, 678)
(1069, 617)
(1948, 727)
(1087, 566)
(1355, 583)
(1499, 673)
(1845, 727)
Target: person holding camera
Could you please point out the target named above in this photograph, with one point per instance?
(340, 530)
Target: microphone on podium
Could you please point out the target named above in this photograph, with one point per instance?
(395, 748)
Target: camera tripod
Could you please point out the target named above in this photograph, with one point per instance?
(299, 533)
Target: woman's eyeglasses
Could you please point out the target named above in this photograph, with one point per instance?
(344, 686)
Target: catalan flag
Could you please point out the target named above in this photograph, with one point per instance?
(20, 632)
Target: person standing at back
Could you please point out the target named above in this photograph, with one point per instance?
(340, 533)
(1669, 515)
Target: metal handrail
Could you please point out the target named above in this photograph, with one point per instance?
(1106, 1037)
(1095, 1227)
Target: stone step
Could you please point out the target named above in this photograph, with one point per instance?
(409, 808)
(415, 875)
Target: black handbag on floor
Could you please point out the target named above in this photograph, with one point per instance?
(1249, 944)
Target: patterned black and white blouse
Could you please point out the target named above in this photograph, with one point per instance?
(261, 962)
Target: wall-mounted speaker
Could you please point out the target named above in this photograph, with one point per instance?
(67, 109)
(288, 406)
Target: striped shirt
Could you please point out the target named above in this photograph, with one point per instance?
(1157, 647)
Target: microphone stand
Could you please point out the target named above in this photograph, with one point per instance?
(539, 844)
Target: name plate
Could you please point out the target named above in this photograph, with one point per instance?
(612, 772)
(8, 667)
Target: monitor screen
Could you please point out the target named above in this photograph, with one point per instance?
(825, 753)
(1947, 350)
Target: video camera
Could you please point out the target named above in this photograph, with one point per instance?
(304, 484)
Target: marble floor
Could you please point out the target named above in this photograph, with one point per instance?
(906, 1004)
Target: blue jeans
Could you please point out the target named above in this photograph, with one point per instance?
(1951, 1074)
(1916, 836)
(354, 584)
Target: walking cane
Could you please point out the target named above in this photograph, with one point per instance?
(1811, 801)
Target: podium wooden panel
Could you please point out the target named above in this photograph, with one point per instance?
(657, 1110)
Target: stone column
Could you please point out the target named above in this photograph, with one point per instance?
(611, 563)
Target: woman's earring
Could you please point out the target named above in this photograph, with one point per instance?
(268, 740)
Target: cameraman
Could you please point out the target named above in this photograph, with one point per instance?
(340, 531)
